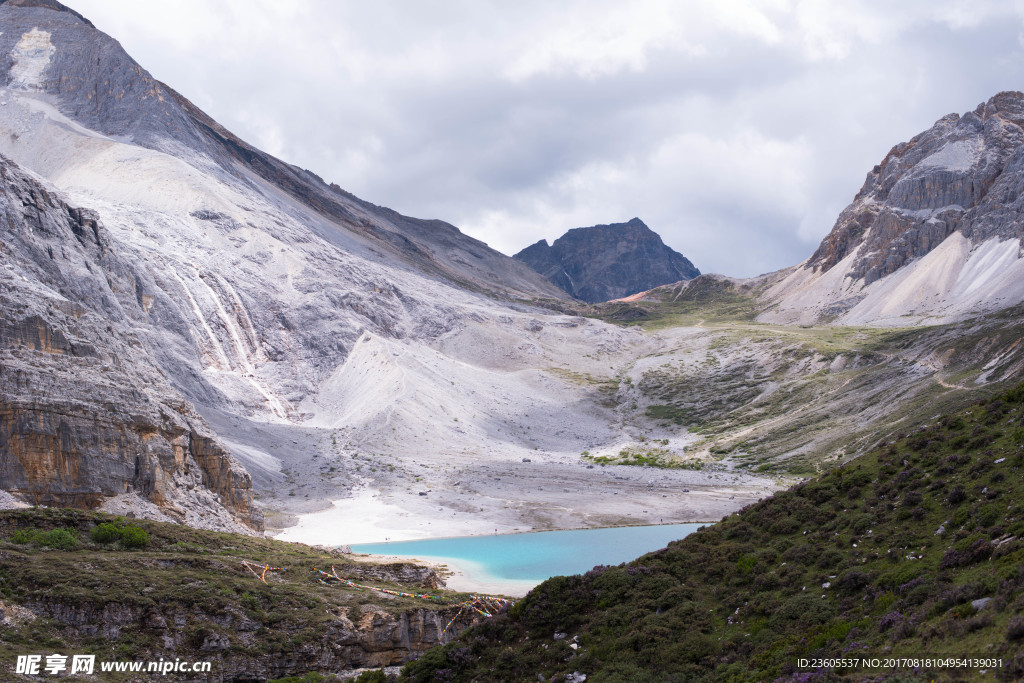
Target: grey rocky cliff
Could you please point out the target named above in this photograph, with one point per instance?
(605, 262)
(965, 173)
(85, 415)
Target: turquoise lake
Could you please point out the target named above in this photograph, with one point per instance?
(537, 556)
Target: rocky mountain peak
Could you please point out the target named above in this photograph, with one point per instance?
(934, 231)
(927, 188)
(604, 262)
(93, 81)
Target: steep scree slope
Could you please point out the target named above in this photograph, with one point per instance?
(85, 415)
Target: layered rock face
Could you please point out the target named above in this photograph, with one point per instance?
(605, 262)
(363, 637)
(85, 415)
(934, 231)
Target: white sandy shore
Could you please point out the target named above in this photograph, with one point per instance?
(509, 497)
(369, 517)
(461, 575)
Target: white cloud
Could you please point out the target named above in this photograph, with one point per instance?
(735, 128)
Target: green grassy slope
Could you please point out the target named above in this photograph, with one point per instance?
(881, 557)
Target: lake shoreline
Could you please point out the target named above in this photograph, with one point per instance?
(530, 497)
(512, 564)
(456, 575)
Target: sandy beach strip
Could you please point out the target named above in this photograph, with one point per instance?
(464, 576)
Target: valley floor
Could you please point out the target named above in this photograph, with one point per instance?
(504, 497)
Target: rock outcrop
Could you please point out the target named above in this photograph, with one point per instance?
(605, 262)
(85, 415)
(933, 233)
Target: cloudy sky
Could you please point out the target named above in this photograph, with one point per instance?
(736, 129)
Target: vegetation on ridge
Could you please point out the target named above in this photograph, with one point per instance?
(914, 549)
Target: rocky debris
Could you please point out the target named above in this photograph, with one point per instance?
(9, 502)
(14, 615)
(980, 603)
(606, 262)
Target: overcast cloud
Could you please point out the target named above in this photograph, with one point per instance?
(736, 129)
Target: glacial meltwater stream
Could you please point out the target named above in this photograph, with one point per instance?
(517, 562)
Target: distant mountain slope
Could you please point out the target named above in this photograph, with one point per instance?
(98, 85)
(934, 234)
(913, 550)
(606, 262)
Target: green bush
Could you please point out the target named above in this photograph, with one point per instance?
(61, 539)
(130, 536)
(106, 532)
(24, 536)
(134, 537)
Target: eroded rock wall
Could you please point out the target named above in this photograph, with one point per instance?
(85, 415)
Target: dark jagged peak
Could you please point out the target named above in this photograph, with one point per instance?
(605, 262)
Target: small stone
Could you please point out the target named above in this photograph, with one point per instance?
(560, 636)
(980, 603)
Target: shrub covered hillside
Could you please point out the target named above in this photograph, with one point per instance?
(914, 549)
